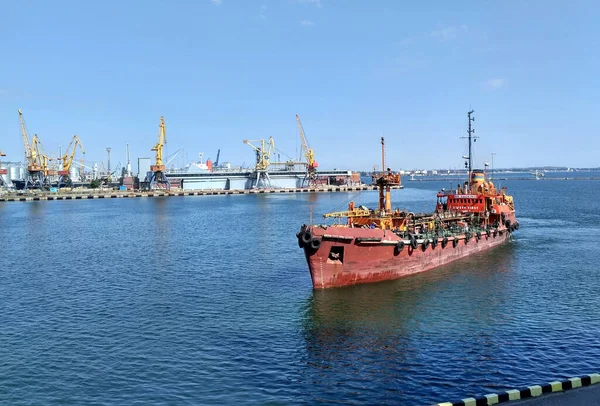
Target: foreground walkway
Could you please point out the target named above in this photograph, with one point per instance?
(573, 391)
(588, 396)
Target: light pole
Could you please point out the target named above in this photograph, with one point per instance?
(492, 176)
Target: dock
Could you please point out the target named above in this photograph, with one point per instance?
(114, 194)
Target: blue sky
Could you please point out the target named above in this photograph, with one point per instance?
(354, 70)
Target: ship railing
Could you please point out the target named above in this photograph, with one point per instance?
(349, 213)
(452, 232)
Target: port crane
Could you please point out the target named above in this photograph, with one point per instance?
(263, 159)
(37, 161)
(309, 155)
(158, 179)
(67, 161)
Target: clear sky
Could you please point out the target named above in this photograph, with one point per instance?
(221, 71)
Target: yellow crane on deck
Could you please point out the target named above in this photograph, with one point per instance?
(67, 161)
(263, 159)
(309, 155)
(158, 170)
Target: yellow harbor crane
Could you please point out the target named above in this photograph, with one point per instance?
(37, 161)
(158, 179)
(263, 160)
(67, 161)
(309, 155)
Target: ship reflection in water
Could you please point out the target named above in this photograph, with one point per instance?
(375, 339)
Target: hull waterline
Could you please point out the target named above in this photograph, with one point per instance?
(348, 256)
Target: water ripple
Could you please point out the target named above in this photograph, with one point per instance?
(208, 301)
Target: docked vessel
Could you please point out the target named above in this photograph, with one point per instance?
(365, 245)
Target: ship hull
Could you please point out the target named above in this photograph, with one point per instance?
(349, 256)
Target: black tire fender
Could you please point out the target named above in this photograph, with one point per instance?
(399, 247)
(300, 243)
(425, 244)
(315, 243)
(454, 242)
(444, 242)
(413, 242)
(306, 237)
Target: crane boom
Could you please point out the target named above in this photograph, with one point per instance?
(309, 154)
(67, 159)
(38, 161)
(162, 140)
(25, 137)
(263, 155)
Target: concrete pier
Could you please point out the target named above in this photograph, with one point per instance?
(114, 194)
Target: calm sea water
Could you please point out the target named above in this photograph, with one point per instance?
(208, 300)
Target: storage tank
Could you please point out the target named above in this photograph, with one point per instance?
(74, 173)
(16, 172)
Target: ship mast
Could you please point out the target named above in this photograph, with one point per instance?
(471, 139)
(384, 183)
(382, 200)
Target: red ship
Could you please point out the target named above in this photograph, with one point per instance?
(367, 245)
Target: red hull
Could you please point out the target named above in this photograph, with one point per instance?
(345, 258)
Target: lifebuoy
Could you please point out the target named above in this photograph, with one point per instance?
(454, 242)
(315, 244)
(444, 242)
(399, 247)
(306, 237)
(425, 244)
